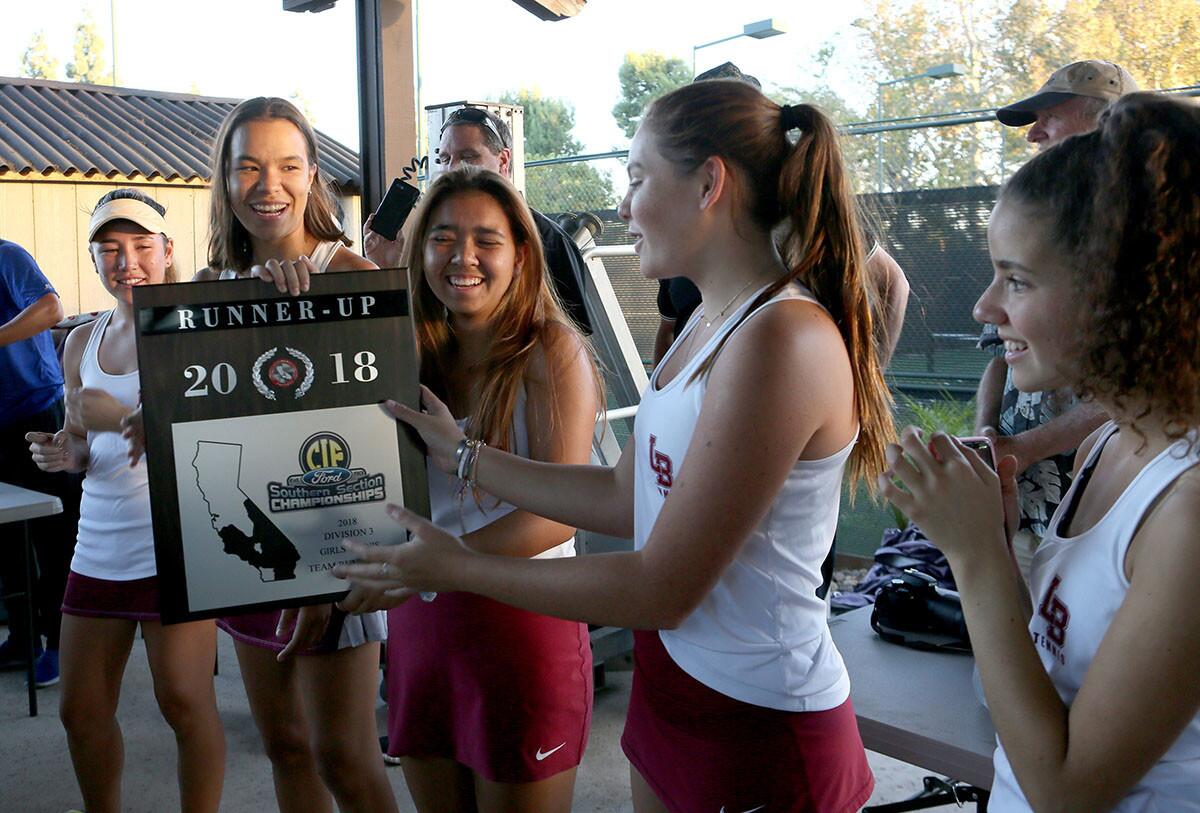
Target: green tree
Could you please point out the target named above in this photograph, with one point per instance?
(548, 124)
(88, 65)
(302, 104)
(572, 187)
(644, 77)
(1009, 48)
(37, 63)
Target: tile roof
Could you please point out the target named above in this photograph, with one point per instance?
(95, 129)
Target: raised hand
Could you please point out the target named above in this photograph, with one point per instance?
(435, 425)
(378, 249)
(946, 489)
(386, 575)
(288, 276)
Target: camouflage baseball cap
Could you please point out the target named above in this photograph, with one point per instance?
(727, 70)
(1091, 77)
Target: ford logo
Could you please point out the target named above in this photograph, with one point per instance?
(326, 477)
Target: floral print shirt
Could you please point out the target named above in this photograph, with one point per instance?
(1044, 483)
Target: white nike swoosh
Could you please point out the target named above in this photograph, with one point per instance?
(751, 810)
(540, 755)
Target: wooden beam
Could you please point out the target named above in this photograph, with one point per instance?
(552, 10)
(387, 94)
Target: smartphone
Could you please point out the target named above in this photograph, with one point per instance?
(982, 447)
(394, 209)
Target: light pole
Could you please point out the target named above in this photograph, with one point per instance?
(760, 30)
(946, 70)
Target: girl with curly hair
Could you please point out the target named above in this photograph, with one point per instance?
(1091, 684)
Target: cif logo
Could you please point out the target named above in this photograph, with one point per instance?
(325, 459)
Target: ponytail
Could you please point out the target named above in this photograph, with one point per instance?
(803, 187)
(823, 250)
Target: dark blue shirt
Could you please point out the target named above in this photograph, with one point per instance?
(30, 374)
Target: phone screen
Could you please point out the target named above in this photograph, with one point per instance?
(982, 447)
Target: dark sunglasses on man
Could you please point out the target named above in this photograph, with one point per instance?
(474, 115)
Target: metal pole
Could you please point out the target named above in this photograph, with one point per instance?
(879, 139)
(370, 107)
(112, 26)
(696, 48)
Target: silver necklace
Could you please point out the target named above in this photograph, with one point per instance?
(732, 299)
(693, 338)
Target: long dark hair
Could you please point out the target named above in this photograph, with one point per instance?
(802, 191)
(526, 314)
(229, 242)
(1123, 207)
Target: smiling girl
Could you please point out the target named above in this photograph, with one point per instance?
(113, 585)
(489, 705)
(1091, 685)
(273, 217)
(731, 482)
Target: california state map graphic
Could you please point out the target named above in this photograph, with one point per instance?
(245, 531)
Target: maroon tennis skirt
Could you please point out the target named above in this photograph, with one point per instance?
(701, 750)
(503, 691)
(135, 600)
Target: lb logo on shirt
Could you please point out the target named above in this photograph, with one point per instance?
(660, 464)
(1057, 616)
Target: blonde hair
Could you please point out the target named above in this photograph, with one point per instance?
(527, 312)
(229, 242)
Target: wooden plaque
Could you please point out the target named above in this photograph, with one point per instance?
(266, 441)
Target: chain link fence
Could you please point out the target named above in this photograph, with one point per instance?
(927, 187)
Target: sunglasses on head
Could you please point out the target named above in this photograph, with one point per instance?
(474, 115)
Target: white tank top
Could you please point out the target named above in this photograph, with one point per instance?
(321, 256)
(116, 540)
(761, 635)
(1077, 584)
(463, 515)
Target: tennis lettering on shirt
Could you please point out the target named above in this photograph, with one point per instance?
(1057, 616)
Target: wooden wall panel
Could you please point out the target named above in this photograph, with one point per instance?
(92, 296)
(49, 219)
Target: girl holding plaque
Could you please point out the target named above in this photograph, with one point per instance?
(113, 584)
(489, 706)
(273, 217)
(731, 483)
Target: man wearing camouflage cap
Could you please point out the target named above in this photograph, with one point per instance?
(1070, 102)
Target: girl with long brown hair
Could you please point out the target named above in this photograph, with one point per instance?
(731, 483)
(489, 705)
(272, 217)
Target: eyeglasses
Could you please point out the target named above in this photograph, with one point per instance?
(474, 115)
